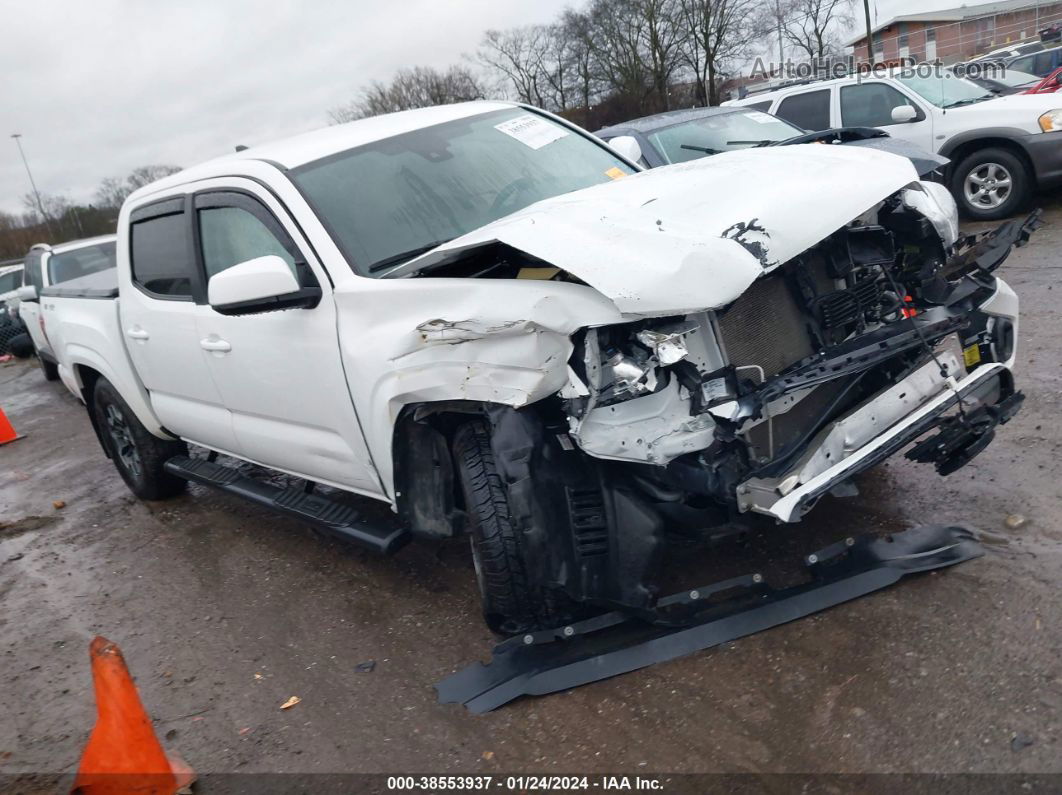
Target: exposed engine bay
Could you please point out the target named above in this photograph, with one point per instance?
(727, 404)
(891, 328)
(747, 367)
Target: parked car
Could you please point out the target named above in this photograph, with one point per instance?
(1003, 81)
(1052, 32)
(52, 265)
(1040, 64)
(10, 282)
(1010, 51)
(1001, 148)
(485, 317)
(1049, 85)
(680, 135)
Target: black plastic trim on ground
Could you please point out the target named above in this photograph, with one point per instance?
(605, 646)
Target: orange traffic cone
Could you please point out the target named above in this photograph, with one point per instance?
(7, 431)
(123, 756)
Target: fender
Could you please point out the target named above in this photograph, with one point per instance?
(1012, 134)
(80, 356)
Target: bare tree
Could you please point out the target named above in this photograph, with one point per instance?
(112, 191)
(144, 175)
(720, 32)
(617, 34)
(522, 57)
(583, 73)
(419, 87)
(810, 25)
(664, 36)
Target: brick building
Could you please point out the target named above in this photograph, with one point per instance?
(957, 34)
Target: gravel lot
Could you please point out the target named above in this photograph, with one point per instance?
(224, 611)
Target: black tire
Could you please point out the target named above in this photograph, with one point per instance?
(21, 346)
(511, 603)
(985, 170)
(137, 454)
(50, 369)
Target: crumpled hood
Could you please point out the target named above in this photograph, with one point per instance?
(696, 235)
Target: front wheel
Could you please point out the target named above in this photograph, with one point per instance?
(137, 454)
(512, 601)
(990, 184)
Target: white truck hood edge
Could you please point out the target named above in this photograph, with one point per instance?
(696, 235)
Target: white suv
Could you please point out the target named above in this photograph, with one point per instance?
(1001, 148)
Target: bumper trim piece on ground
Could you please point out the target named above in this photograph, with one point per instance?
(615, 643)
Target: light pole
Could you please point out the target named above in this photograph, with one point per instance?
(36, 193)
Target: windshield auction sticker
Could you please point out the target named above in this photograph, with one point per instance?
(531, 130)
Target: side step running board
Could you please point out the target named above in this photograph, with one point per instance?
(341, 521)
(614, 643)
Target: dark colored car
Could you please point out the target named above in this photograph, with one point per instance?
(1040, 63)
(681, 135)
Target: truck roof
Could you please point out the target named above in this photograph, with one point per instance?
(71, 245)
(310, 146)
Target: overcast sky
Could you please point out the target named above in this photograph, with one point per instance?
(98, 88)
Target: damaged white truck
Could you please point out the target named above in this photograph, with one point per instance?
(484, 316)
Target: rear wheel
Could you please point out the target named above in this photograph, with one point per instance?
(138, 455)
(50, 369)
(512, 602)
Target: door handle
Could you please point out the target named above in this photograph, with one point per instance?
(136, 333)
(215, 345)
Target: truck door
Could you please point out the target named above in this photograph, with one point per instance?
(280, 373)
(870, 104)
(158, 318)
(30, 311)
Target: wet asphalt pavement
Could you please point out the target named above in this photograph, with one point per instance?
(225, 611)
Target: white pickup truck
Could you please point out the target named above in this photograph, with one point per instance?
(48, 266)
(484, 316)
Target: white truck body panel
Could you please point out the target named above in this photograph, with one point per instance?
(316, 392)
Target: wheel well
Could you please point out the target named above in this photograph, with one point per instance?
(426, 491)
(88, 377)
(965, 149)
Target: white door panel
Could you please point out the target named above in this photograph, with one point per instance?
(158, 321)
(279, 373)
(163, 343)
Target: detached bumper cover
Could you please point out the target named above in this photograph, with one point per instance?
(988, 386)
(615, 643)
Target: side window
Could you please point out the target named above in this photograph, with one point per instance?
(809, 111)
(10, 281)
(234, 228)
(161, 257)
(1023, 64)
(761, 106)
(34, 275)
(231, 235)
(1045, 63)
(870, 105)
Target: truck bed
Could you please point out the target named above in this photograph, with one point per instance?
(81, 319)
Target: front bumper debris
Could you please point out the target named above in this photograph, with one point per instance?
(989, 387)
(614, 643)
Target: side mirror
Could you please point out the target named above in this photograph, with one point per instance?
(904, 113)
(262, 284)
(627, 145)
(26, 293)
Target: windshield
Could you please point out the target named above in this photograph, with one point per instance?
(386, 202)
(945, 89)
(718, 133)
(80, 262)
(1014, 78)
